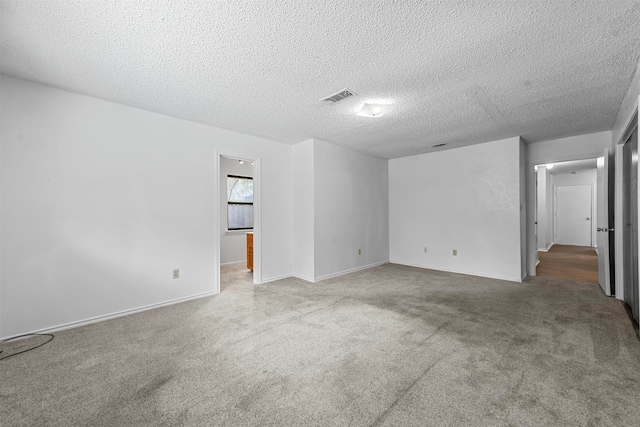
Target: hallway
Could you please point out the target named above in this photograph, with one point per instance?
(578, 263)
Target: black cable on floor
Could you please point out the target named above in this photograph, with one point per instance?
(29, 349)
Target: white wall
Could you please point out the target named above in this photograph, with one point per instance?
(351, 210)
(466, 199)
(303, 211)
(101, 201)
(233, 244)
(544, 203)
(588, 177)
(577, 147)
(341, 205)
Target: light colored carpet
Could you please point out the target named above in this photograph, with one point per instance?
(391, 345)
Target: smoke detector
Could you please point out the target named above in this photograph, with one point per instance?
(339, 96)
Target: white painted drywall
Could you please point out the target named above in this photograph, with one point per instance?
(466, 199)
(303, 211)
(101, 201)
(233, 244)
(578, 147)
(351, 210)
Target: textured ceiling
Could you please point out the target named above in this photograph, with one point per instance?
(458, 72)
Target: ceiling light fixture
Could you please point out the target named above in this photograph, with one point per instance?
(374, 110)
(241, 162)
(549, 166)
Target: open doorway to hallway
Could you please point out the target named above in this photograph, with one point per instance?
(237, 221)
(566, 220)
(579, 263)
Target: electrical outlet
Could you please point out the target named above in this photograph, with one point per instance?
(359, 251)
(176, 273)
(425, 249)
(455, 252)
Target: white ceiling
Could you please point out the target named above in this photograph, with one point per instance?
(573, 166)
(459, 72)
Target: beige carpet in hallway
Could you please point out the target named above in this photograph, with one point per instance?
(388, 346)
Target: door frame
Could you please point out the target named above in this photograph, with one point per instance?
(531, 195)
(257, 216)
(618, 219)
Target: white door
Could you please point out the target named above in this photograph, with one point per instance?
(573, 215)
(602, 219)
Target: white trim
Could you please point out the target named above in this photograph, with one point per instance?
(115, 315)
(467, 273)
(618, 237)
(257, 217)
(328, 276)
(351, 270)
(217, 238)
(547, 249)
(286, 276)
(234, 262)
(257, 221)
(242, 231)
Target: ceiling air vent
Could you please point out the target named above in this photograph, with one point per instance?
(339, 96)
(438, 145)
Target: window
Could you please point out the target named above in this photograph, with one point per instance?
(239, 203)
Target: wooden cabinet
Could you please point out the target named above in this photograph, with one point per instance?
(250, 251)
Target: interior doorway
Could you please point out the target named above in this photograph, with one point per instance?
(630, 222)
(239, 221)
(573, 213)
(565, 220)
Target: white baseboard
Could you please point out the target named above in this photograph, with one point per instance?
(545, 249)
(351, 270)
(468, 273)
(115, 315)
(305, 278)
(275, 279)
(328, 276)
(244, 261)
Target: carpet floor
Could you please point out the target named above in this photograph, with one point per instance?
(387, 346)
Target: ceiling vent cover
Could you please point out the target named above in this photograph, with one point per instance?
(339, 96)
(438, 145)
